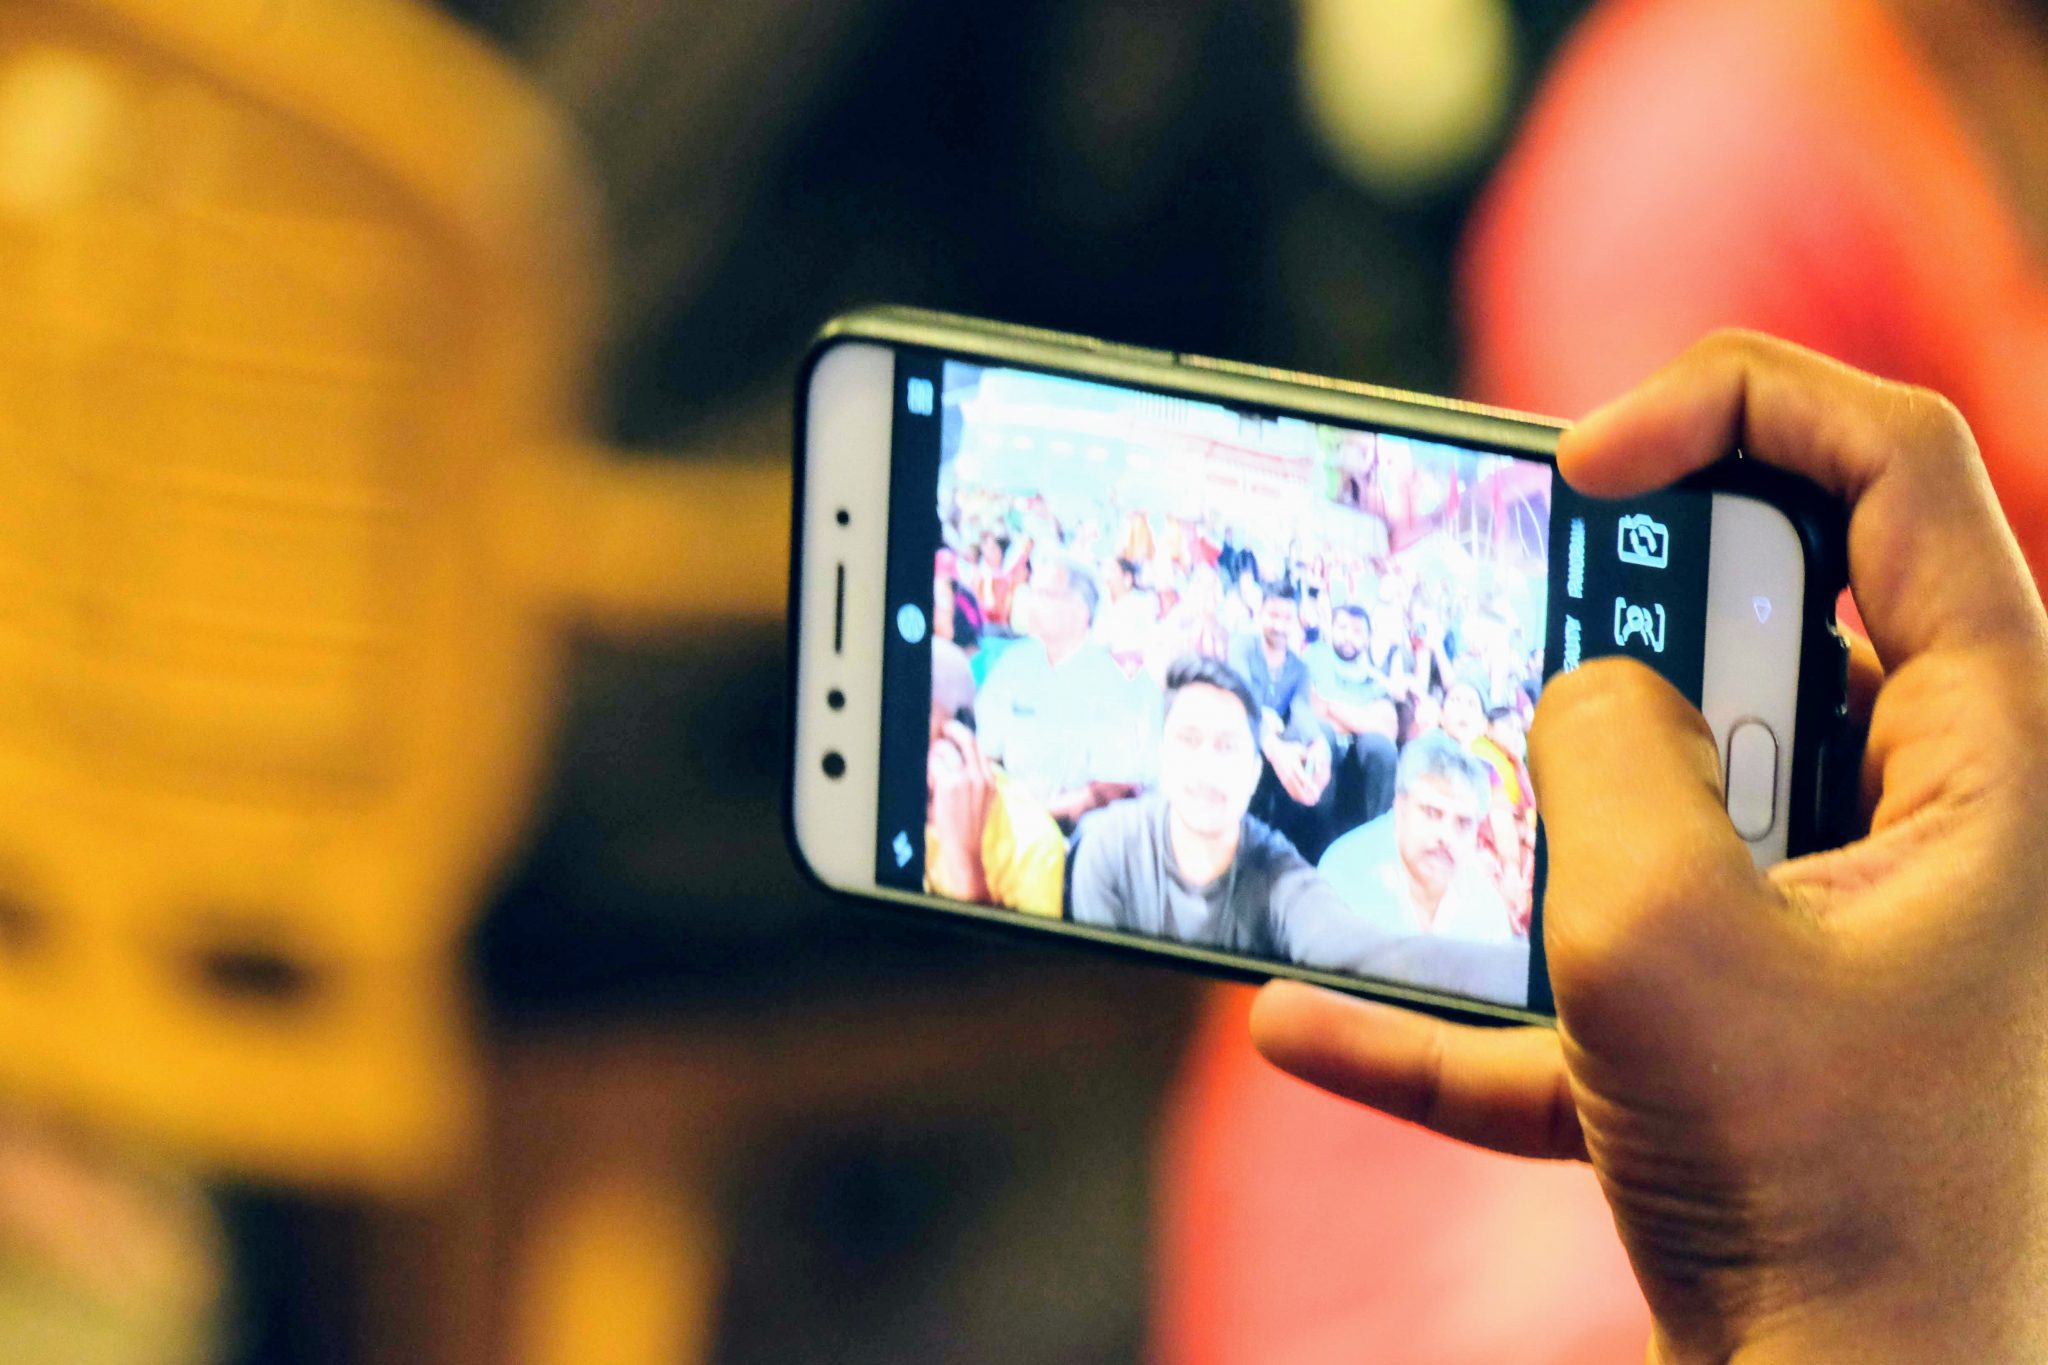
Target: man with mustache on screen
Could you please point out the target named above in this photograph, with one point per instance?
(1420, 906)
(1187, 862)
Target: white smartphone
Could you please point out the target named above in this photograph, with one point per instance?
(1236, 666)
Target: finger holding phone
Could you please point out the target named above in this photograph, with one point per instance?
(1815, 1095)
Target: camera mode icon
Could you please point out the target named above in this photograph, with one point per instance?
(1642, 540)
(1644, 623)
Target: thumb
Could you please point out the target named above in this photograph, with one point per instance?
(1643, 861)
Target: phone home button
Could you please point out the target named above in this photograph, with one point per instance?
(1752, 778)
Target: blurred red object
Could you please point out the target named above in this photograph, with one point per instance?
(1690, 164)
(1796, 168)
(1296, 1228)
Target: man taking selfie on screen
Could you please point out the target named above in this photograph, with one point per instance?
(1187, 862)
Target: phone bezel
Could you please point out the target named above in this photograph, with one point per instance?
(1815, 520)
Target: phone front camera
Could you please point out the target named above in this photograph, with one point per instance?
(835, 766)
(844, 517)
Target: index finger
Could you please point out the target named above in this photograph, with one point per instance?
(1931, 560)
(1505, 1089)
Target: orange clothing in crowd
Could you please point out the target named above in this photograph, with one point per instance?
(1788, 165)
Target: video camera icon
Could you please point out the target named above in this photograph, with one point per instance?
(1642, 540)
(1644, 623)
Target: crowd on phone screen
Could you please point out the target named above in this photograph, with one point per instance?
(1141, 723)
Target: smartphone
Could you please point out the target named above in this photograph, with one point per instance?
(1236, 667)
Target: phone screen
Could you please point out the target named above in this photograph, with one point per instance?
(1244, 680)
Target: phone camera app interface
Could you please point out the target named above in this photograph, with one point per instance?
(1238, 680)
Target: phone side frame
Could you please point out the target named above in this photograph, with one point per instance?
(855, 605)
(1824, 777)
(1484, 427)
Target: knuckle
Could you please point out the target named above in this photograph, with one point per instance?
(1740, 346)
(1930, 425)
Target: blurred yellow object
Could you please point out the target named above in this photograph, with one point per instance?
(620, 1271)
(297, 498)
(1407, 93)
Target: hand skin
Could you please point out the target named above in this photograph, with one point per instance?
(1302, 768)
(1295, 766)
(1817, 1098)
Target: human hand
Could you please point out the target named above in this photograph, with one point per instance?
(1317, 768)
(1817, 1098)
(960, 779)
(1295, 766)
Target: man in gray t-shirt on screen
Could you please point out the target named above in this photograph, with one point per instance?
(1186, 862)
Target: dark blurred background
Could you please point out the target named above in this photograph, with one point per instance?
(1147, 172)
(727, 1118)
(901, 1142)
(1151, 172)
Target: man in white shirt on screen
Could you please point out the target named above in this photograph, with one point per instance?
(1057, 712)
